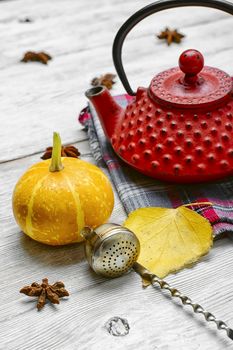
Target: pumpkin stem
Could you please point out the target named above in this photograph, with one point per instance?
(56, 164)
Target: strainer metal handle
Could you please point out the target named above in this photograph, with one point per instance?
(147, 11)
(175, 293)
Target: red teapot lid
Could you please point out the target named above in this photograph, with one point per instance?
(191, 84)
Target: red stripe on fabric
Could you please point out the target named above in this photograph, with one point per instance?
(208, 211)
(210, 214)
(84, 115)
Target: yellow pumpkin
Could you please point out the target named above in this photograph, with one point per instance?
(55, 199)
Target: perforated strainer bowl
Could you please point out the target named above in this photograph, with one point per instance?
(111, 249)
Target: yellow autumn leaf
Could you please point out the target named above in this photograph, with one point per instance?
(170, 238)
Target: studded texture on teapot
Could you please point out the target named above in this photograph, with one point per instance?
(176, 145)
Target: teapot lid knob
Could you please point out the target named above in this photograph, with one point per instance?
(191, 62)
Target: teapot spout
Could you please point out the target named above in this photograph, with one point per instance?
(106, 108)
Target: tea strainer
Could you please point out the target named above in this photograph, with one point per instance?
(112, 250)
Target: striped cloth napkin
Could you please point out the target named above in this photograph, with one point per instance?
(136, 190)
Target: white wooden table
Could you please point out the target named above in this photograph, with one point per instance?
(36, 100)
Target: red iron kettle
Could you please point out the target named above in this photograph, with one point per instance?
(180, 128)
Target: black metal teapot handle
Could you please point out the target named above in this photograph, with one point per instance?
(147, 11)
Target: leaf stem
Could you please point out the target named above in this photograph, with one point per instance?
(196, 204)
(56, 164)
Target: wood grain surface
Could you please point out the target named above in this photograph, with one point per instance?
(37, 100)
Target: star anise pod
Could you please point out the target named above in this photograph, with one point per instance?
(106, 80)
(66, 151)
(171, 36)
(25, 20)
(46, 291)
(31, 56)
